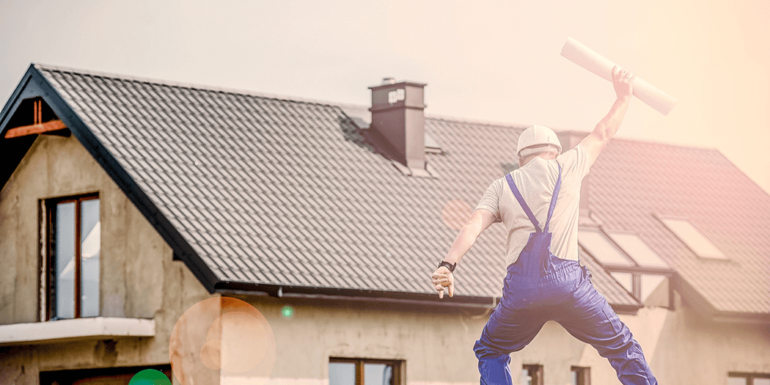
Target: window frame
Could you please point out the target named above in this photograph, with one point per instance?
(538, 378)
(750, 377)
(583, 374)
(399, 371)
(50, 242)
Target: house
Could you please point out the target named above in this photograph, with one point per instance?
(214, 221)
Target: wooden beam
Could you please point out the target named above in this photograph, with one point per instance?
(34, 129)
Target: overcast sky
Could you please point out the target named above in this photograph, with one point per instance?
(485, 60)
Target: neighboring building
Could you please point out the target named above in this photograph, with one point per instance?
(329, 219)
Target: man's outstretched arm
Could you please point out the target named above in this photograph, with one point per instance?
(480, 220)
(595, 142)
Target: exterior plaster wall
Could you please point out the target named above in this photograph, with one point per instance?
(437, 344)
(138, 277)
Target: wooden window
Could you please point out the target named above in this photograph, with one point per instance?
(735, 378)
(355, 371)
(72, 263)
(580, 375)
(532, 375)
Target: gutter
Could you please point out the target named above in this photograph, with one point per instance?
(333, 294)
(401, 298)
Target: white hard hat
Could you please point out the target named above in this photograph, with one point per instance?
(536, 136)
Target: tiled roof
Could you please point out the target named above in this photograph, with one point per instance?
(634, 182)
(273, 191)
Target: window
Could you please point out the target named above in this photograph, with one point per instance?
(748, 379)
(693, 238)
(532, 375)
(74, 243)
(602, 248)
(580, 376)
(353, 371)
(631, 262)
(638, 250)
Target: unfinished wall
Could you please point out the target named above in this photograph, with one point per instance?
(437, 345)
(138, 277)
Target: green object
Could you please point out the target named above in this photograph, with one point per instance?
(287, 311)
(149, 377)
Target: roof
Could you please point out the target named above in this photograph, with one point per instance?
(258, 193)
(634, 183)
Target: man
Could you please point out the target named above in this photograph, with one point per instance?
(545, 280)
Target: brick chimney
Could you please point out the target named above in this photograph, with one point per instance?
(398, 117)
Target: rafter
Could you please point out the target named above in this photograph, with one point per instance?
(34, 129)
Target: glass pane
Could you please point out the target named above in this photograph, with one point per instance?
(574, 377)
(650, 283)
(638, 250)
(64, 261)
(602, 249)
(694, 239)
(342, 373)
(625, 279)
(526, 379)
(90, 245)
(762, 381)
(737, 381)
(378, 374)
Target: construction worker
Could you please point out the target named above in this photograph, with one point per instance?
(545, 280)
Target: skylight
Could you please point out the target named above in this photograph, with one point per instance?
(693, 238)
(638, 250)
(602, 249)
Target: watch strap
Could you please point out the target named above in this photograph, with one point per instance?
(450, 266)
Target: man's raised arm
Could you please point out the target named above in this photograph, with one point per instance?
(595, 142)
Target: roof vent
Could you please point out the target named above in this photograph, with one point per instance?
(388, 80)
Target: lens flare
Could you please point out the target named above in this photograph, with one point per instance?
(455, 214)
(222, 337)
(149, 377)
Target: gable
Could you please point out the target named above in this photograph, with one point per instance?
(35, 86)
(133, 256)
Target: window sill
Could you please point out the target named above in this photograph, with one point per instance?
(80, 329)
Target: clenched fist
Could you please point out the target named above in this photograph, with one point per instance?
(623, 81)
(442, 278)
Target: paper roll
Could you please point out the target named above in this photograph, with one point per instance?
(598, 64)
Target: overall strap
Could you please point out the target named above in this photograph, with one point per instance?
(553, 199)
(523, 204)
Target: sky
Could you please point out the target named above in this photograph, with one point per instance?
(486, 60)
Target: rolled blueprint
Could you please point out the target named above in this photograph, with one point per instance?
(598, 64)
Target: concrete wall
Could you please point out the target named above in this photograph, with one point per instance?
(138, 277)
(681, 346)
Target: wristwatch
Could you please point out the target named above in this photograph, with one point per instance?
(450, 266)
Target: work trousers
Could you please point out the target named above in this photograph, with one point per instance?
(565, 295)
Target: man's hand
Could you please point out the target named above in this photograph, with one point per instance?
(441, 278)
(623, 81)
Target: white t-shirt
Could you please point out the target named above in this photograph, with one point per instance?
(536, 181)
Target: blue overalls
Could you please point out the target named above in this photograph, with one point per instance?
(540, 287)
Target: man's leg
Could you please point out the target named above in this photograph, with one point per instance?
(508, 330)
(591, 320)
